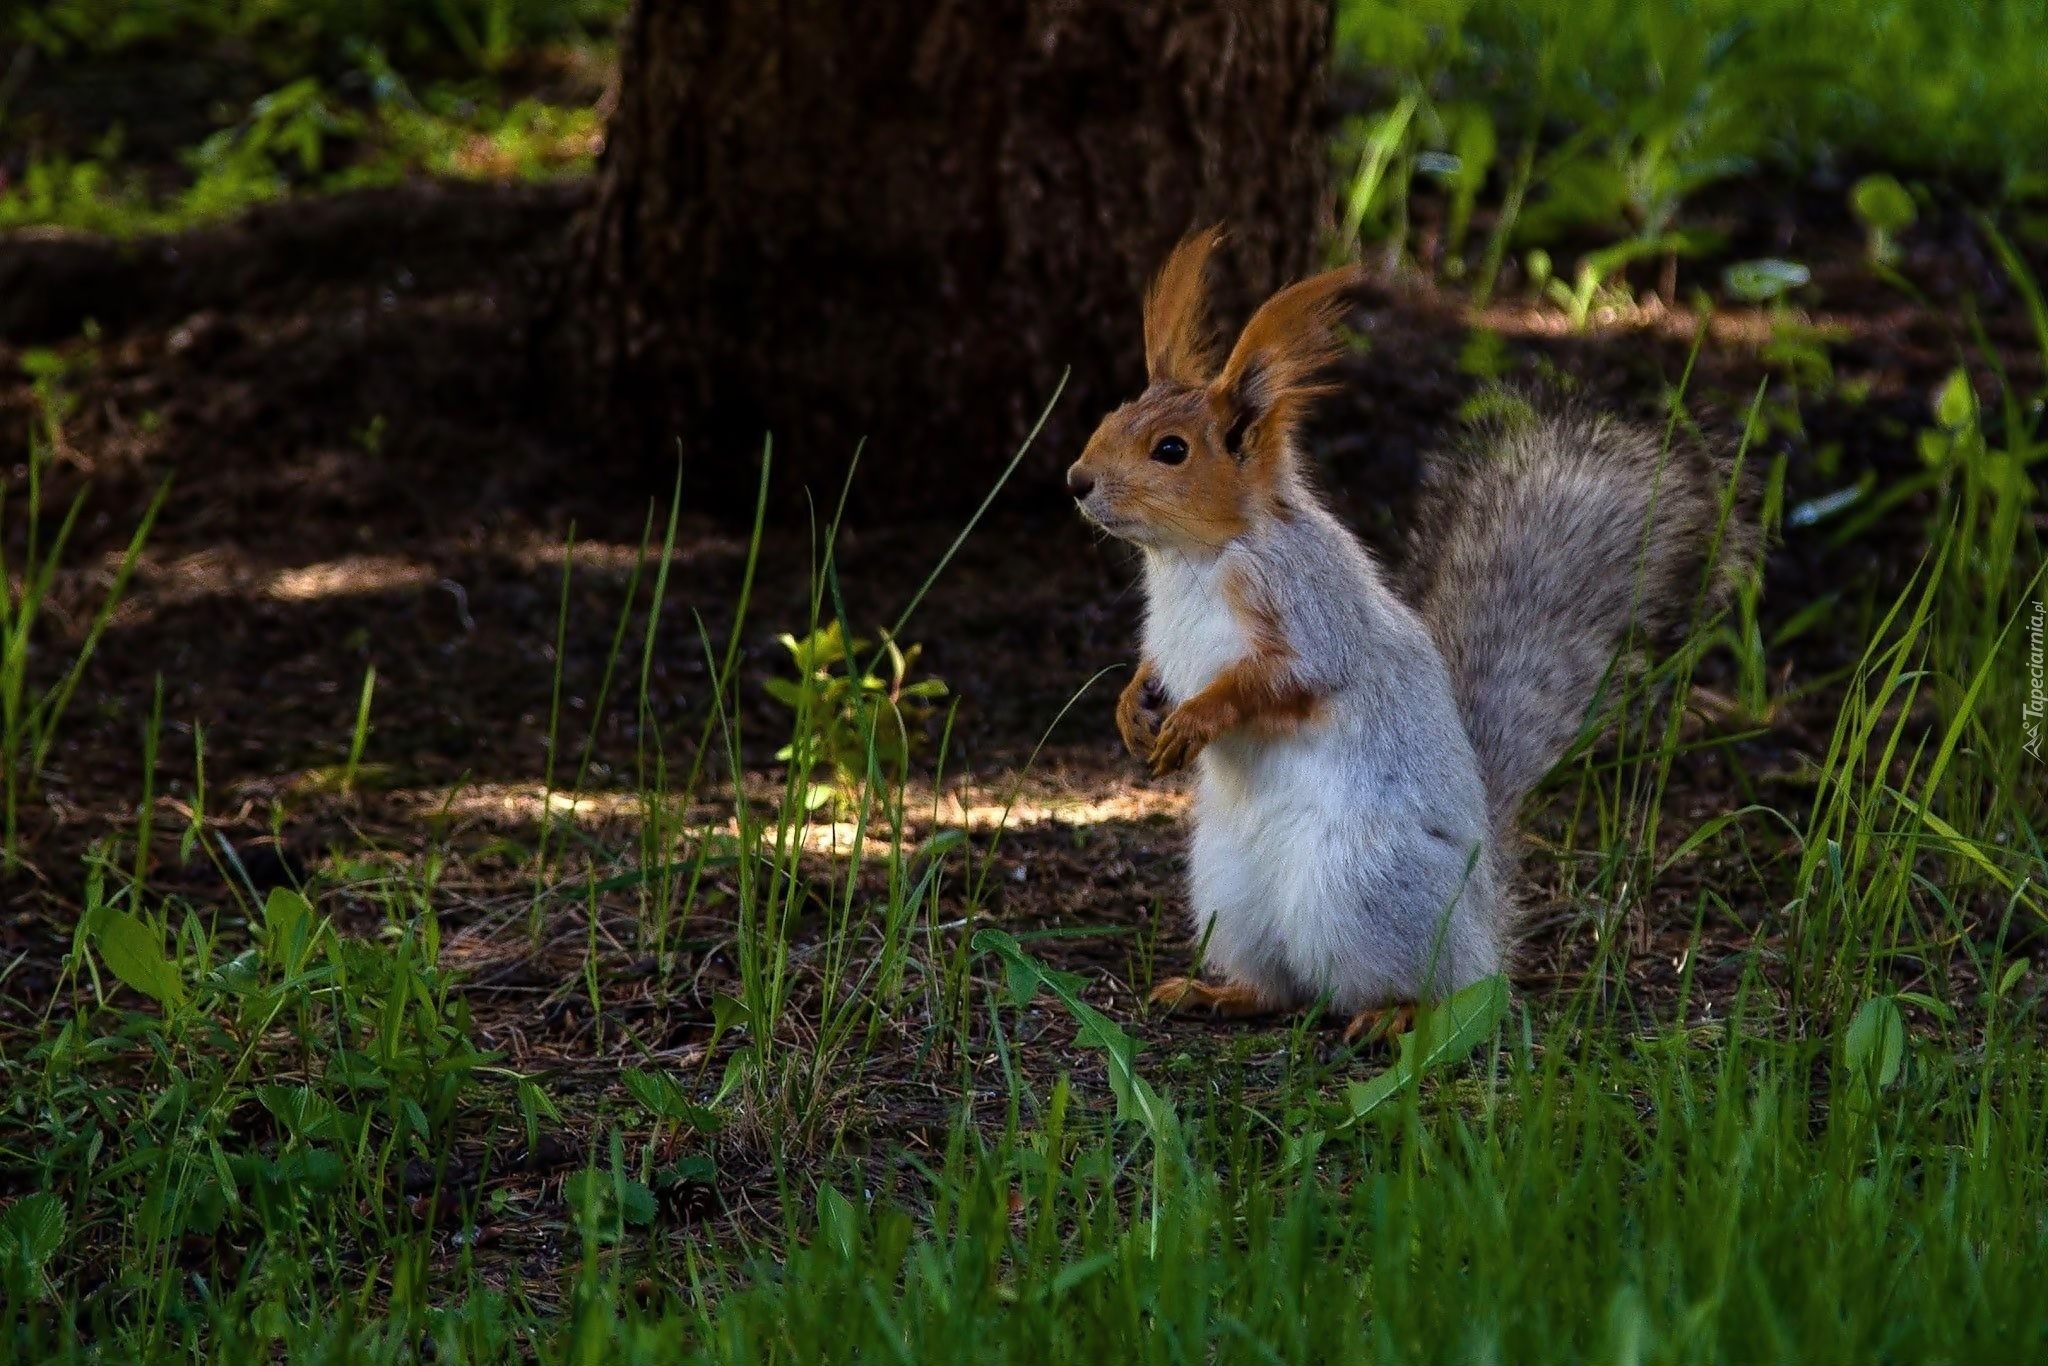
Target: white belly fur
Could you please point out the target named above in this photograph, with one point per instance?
(1310, 871)
(1190, 631)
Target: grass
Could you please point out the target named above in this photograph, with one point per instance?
(31, 711)
(1607, 120)
(1537, 123)
(1787, 1105)
(482, 33)
(261, 1125)
(1668, 91)
(361, 93)
(1668, 1198)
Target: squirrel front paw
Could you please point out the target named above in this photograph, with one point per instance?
(1187, 732)
(1140, 712)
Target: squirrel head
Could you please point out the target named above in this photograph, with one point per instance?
(1207, 452)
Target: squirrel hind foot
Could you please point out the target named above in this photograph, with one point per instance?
(1380, 1024)
(1183, 995)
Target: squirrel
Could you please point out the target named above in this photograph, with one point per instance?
(1363, 751)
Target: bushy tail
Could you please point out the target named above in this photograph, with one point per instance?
(1549, 544)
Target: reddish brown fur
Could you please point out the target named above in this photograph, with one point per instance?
(1286, 344)
(1238, 422)
(1199, 503)
(1135, 720)
(1179, 345)
(1260, 692)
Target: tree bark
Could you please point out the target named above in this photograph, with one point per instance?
(902, 221)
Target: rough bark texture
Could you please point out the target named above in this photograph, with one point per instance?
(902, 221)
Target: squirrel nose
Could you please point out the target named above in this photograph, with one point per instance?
(1080, 483)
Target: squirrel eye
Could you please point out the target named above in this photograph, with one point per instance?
(1171, 450)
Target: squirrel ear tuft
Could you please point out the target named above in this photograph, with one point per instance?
(1271, 374)
(1179, 345)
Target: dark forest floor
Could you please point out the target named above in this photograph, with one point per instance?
(364, 473)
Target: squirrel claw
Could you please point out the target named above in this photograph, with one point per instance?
(1180, 994)
(1380, 1023)
(1176, 747)
(1140, 712)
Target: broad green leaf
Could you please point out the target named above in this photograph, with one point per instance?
(207, 1208)
(839, 1222)
(1956, 405)
(1940, 1010)
(1443, 1034)
(655, 1093)
(134, 952)
(636, 1201)
(288, 925)
(585, 1193)
(240, 975)
(1476, 143)
(1935, 449)
(664, 1099)
(1882, 203)
(1761, 281)
(727, 1012)
(1875, 1046)
(1447, 1032)
(417, 1118)
(697, 1167)
(941, 843)
(1483, 356)
(593, 1195)
(319, 1169)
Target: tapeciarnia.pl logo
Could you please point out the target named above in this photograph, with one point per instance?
(2037, 692)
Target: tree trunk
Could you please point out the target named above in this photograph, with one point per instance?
(902, 221)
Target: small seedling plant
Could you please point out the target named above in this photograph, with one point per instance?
(858, 721)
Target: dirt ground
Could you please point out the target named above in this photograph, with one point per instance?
(365, 471)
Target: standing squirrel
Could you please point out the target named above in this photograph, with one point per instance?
(1362, 757)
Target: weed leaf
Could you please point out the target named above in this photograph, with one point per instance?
(1759, 282)
(1875, 1046)
(727, 1012)
(838, 1222)
(134, 952)
(661, 1097)
(31, 1232)
(1443, 1034)
(287, 920)
(1135, 1097)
